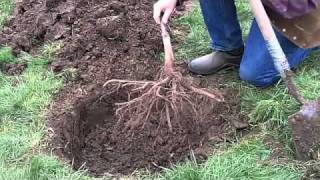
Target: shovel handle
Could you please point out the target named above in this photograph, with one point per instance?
(279, 58)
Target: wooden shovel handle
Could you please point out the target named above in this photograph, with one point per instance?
(274, 47)
(269, 36)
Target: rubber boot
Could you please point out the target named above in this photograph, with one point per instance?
(216, 61)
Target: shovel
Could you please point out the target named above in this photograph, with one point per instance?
(305, 124)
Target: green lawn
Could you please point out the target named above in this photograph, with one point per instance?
(23, 102)
(243, 161)
(24, 99)
(6, 8)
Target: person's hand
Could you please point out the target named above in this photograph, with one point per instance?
(165, 6)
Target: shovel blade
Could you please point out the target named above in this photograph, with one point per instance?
(306, 131)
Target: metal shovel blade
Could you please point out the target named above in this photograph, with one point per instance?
(306, 131)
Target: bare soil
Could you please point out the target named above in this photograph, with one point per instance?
(13, 68)
(92, 136)
(106, 39)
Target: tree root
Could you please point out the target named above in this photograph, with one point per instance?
(164, 100)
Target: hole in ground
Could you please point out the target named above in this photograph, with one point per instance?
(95, 141)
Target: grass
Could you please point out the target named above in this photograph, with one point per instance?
(268, 109)
(6, 8)
(242, 162)
(24, 99)
(187, 49)
(6, 55)
(23, 102)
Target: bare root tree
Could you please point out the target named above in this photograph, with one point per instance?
(167, 98)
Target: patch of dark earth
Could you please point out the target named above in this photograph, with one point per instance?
(13, 69)
(105, 40)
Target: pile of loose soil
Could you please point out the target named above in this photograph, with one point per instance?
(106, 39)
(119, 37)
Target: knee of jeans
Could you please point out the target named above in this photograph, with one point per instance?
(247, 74)
(255, 78)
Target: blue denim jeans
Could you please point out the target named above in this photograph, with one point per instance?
(256, 67)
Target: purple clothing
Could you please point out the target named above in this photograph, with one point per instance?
(292, 8)
(289, 9)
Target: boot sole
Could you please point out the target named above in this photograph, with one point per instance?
(224, 67)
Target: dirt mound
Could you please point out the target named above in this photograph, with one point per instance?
(104, 40)
(95, 34)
